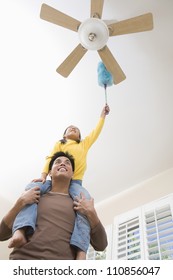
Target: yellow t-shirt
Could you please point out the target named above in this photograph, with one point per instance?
(77, 150)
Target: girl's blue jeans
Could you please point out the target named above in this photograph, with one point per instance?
(27, 216)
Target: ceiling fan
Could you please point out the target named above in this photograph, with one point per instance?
(94, 34)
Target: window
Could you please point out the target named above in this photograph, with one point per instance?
(106, 254)
(159, 232)
(127, 236)
(145, 232)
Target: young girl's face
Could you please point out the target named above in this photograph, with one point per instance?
(72, 133)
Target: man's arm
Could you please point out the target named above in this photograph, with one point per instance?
(98, 233)
(28, 197)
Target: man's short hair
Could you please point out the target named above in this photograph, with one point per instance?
(62, 154)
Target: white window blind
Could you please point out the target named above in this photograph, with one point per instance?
(145, 232)
(159, 231)
(127, 236)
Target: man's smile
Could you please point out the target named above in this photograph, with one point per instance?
(62, 168)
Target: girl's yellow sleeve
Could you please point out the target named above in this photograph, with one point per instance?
(55, 149)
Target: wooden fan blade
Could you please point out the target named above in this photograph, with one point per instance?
(96, 8)
(54, 16)
(111, 65)
(71, 61)
(132, 25)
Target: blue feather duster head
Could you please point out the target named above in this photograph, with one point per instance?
(104, 77)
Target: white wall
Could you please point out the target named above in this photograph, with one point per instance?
(147, 191)
(4, 207)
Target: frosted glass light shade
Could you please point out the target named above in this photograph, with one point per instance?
(93, 34)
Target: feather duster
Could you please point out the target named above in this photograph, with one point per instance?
(104, 77)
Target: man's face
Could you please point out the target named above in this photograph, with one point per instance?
(61, 167)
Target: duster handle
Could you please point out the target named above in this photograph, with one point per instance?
(105, 86)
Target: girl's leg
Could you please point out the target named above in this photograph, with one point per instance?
(26, 219)
(81, 233)
(44, 188)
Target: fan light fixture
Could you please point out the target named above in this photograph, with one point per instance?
(93, 34)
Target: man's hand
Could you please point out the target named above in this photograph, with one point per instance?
(83, 205)
(86, 207)
(30, 196)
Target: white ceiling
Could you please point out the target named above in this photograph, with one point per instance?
(37, 104)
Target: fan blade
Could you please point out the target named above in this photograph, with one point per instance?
(132, 25)
(54, 16)
(71, 61)
(96, 8)
(111, 65)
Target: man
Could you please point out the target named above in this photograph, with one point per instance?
(55, 219)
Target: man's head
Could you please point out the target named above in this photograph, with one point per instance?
(61, 163)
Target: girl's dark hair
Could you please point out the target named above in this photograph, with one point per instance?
(63, 140)
(61, 154)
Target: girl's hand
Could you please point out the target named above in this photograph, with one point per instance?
(105, 111)
(39, 180)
